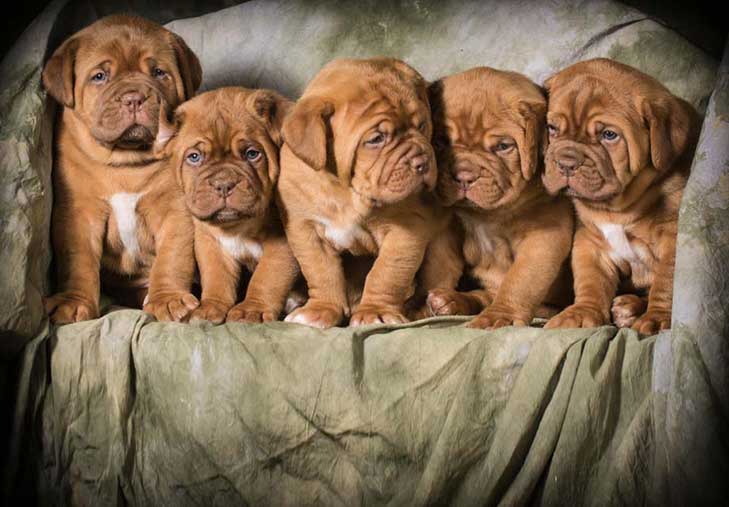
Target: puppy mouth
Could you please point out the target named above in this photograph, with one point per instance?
(135, 137)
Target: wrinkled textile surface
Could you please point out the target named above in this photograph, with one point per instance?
(123, 410)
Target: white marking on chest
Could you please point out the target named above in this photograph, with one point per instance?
(620, 247)
(124, 207)
(241, 248)
(342, 237)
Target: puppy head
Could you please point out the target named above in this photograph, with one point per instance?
(612, 127)
(115, 74)
(224, 147)
(368, 121)
(489, 125)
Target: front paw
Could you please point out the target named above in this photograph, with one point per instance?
(67, 307)
(577, 316)
(315, 314)
(653, 321)
(252, 313)
(175, 306)
(211, 311)
(626, 309)
(495, 317)
(376, 314)
(449, 302)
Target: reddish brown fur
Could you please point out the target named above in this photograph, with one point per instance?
(509, 234)
(626, 190)
(231, 199)
(350, 182)
(104, 148)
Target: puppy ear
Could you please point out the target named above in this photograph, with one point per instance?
(58, 74)
(271, 108)
(305, 130)
(188, 65)
(534, 116)
(672, 125)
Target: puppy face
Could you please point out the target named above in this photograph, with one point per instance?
(611, 127)
(224, 146)
(369, 122)
(488, 129)
(116, 74)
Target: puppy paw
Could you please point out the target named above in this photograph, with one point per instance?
(577, 316)
(449, 302)
(175, 306)
(374, 314)
(316, 314)
(252, 313)
(67, 307)
(209, 310)
(495, 317)
(626, 309)
(653, 321)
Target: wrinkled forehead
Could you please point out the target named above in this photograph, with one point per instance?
(221, 124)
(125, 48)
(584, 98)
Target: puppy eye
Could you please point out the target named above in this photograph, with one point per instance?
(422, 126)
(503, 146)
(376, 140)
(252, 154)
(609, 135)
(552, 130)
(99, 77)
(158, 73)
(194, 158)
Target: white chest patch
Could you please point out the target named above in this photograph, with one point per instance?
(620, 248)
(241, 248)
(342, 237)
(124, 207)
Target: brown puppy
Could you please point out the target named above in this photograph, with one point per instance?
(223, 147)
(621, 146)
(512, 236)
(355, 166)
(116, 209)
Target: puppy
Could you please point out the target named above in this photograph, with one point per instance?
(509, 234)
(116, 210)
(223, 148)
(620, 145)
(356, 166)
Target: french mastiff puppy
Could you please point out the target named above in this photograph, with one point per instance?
(223, 149)
(509, 234)
(355, 169)
(620, 145)
(116, 209)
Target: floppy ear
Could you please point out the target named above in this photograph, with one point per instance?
(671, 122)
(305, 130)
(188, 65)
(271, 108)
(58, 74)
(534, 117)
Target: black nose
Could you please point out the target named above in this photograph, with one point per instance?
(224, 187)
(133, 100)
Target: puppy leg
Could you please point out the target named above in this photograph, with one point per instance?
(452, 302)
(391, 277)
(660, 297)
(270, 284)
(537, 264)
(626, 309)
(173, 269)
(219, 276)
(596, 280)
(322, 268)
(78, 244)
